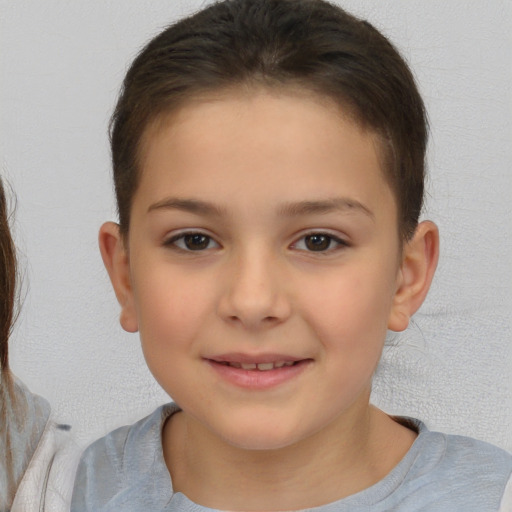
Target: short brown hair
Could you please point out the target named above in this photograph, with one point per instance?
(309, 43)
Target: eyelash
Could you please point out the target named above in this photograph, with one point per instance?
(173, 241)
(208, 241)
(339, 243)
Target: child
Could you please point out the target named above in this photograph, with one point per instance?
(269, 166)
(37, 461)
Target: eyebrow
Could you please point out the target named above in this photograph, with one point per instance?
(187, 205)
(294, 209)
(337, 204)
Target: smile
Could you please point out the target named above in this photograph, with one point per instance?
(263, 367)
(258, 373)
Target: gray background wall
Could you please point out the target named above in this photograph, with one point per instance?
(61, 64)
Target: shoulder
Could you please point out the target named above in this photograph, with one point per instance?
(43, 456)
(472, 456)
(25, 417)
(48, 480)
(460, 471)
(116, 468)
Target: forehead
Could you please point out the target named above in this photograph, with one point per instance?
(220, 103)
(261, 140)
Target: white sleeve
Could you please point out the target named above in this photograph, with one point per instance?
(506, 501)
(48, 481)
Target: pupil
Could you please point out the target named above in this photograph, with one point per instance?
(318, 242)
(196, 242)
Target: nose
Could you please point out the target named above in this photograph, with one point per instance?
(255, 294)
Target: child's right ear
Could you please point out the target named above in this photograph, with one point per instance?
(116, 261)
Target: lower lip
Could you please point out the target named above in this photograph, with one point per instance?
(258, 379)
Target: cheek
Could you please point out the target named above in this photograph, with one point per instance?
(170, 311)
(172, 315)
(350, 312)
(350, 321)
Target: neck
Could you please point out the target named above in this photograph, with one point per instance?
(352, 453)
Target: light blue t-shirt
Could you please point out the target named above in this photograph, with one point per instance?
(125, 470)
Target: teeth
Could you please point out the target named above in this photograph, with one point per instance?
(260, 366)
(265, 366)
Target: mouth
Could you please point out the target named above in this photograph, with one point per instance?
(262, 367)
(258, 372)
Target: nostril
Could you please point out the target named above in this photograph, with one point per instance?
(265, 320)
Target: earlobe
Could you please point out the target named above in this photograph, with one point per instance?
(116, 261)
(419, 262)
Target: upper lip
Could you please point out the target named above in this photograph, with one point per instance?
(254, 358)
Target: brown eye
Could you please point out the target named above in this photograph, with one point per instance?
(196, 241)
(193, 241)
(317, 242)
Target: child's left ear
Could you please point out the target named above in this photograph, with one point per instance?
(419, 262)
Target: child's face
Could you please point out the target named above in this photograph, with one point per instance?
(263, 231)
